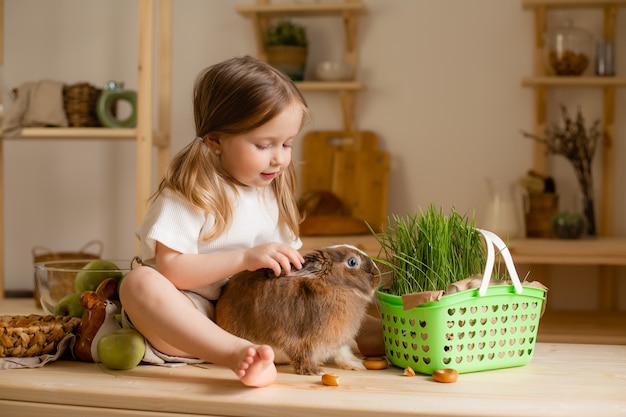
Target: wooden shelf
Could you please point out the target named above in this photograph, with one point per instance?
(598, 251)
(588, 327)
(348, 11)
(330, 85)
(160, 139)
(606, 252)
(311, 9)
(76, 133)
(570, 4)
(562, 81)
(540, 82)
(154, 21)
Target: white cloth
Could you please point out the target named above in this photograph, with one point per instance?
(180, 226)
(37, 104)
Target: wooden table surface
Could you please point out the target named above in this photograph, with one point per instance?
(561, 380)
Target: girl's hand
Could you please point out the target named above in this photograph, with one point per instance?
(276, 256)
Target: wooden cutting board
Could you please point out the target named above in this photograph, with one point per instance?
(349, 165)
(360, 178)
(318, 150)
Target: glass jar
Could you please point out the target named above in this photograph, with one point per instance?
(568, 50)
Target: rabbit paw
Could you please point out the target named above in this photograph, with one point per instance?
(306, 368)
(345, 359)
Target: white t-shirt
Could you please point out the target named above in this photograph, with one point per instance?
(181, 226)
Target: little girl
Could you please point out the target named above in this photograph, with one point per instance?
(226, 204)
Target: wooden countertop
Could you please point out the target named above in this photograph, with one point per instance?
(587, 251)
(561, 380)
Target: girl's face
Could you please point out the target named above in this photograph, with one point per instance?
(257, 157)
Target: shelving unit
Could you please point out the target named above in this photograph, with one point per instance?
(153, 14)
(349, 10)
(606, 251)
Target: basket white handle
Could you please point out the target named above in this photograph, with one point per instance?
(492, 240)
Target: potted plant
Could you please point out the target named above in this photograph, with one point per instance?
(447, 303)
(287, 46)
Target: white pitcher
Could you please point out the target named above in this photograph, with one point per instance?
(505, 210)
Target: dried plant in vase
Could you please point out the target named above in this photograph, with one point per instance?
(578, 145)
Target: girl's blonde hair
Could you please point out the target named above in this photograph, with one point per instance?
(230, 98)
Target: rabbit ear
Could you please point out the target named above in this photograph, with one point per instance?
(308, 269)
(311, 266)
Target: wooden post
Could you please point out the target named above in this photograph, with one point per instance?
(540, 29)
(145, 84)
(608, 164)
(260, 25)
(606, 274)
(540, 163)
(164, 75)
(350, 30)
(347, 107)
(540, 160)
(608, 157)
(1, 156)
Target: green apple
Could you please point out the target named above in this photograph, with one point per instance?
(92, 274)
(69, 306)
(121, 349)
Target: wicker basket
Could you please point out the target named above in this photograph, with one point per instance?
(79, 101)
(542, 206)
(289, 59)
(33, 335)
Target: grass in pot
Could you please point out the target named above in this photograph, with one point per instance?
(435, 312)
(427, 252)
(287, 47)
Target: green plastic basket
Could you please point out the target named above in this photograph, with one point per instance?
(463, 331)
(474, 330)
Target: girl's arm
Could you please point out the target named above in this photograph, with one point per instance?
(188, 271)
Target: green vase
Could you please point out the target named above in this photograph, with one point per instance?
(107, 102)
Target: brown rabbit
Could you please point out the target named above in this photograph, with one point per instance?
(311, 315)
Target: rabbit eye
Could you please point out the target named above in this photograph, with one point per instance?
(353, 262)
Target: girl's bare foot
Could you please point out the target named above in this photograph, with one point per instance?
(257, 368)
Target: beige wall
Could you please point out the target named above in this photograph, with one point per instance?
(444, 94)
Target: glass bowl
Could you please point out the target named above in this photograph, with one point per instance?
(334, 71)
(568, 50)
(55, 280)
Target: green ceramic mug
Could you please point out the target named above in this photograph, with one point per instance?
(114, 92)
